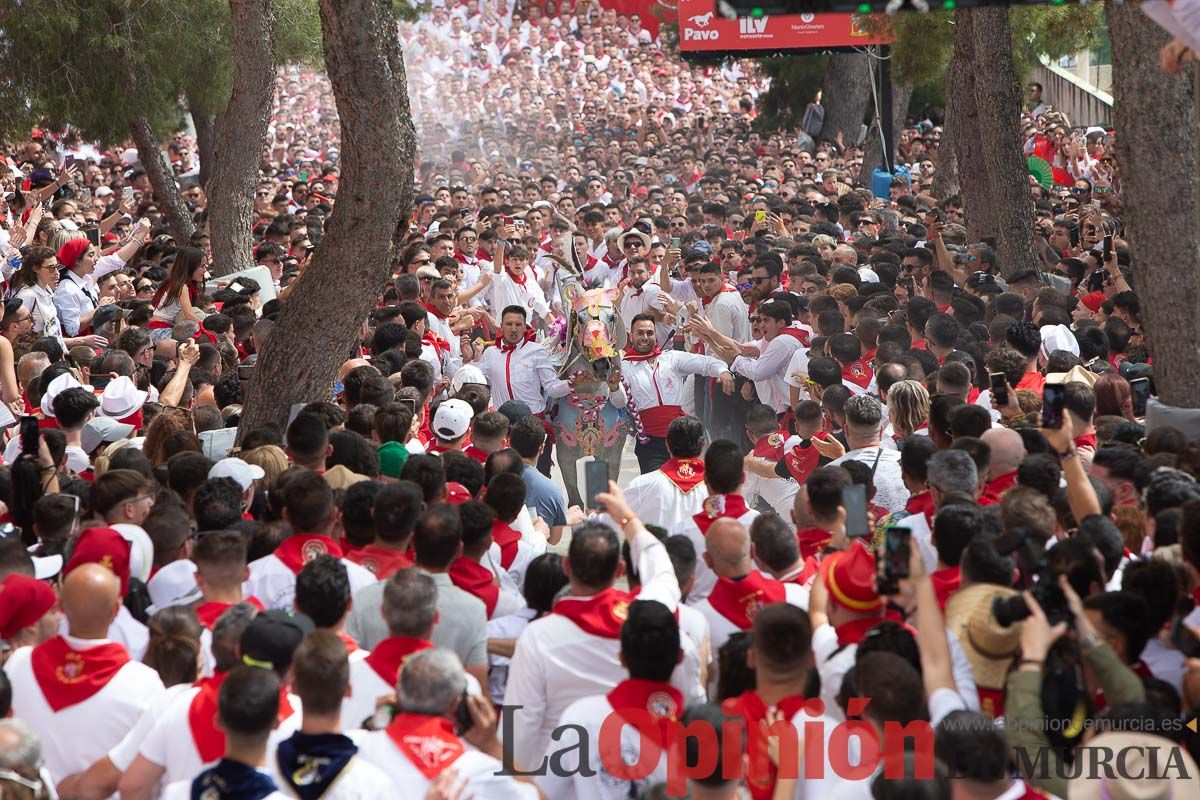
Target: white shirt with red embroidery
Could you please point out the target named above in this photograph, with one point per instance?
(479, 770)
(706, 579)
(75, 736)
(274, 583)
(524, 374)
(660, 381)
(657, 500)
(507, 292)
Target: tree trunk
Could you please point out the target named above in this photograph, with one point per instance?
(319, 323)
(873, 153)
(239, 133)
(961, 107)
(945, 179)
(1155, 117)
(998, 92)
(845, 93)
(162, 181)
(205, 143)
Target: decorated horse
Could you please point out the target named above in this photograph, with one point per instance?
(583, 345)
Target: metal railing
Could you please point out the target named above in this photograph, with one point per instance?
(1083, 103)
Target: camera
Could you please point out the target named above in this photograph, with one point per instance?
(1031, 558)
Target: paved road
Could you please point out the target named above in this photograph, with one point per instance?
(629, 471)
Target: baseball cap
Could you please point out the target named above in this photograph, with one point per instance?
(23, 601)
(242, 473)
(272, 637)
(456, 494)
(101, 430)
(514, 410)
(452, 419)
(467, 374)
(392, 456)
(428, 272)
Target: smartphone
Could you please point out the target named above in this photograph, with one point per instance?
(69, 160)
(892, 562)
(675, 242)
(760, 216)
(462, 715)
(595, 477)
(1053, 398)
(854, 500)
(93, 235)
(408, 401)
(127, 193)
(1140, 388)
(29, 436)
(1107, 248)
(999, 386)
(245, 372)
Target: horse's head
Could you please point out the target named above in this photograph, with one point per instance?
(596, 328)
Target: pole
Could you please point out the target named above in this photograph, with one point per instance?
(885, 107)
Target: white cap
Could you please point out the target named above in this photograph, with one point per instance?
(141, 549)
(173, 585)
(103, 191)
(468, 373)
(129, 157)
(57, 387)
(453, 419)
(121, 398)
(242, 473)
(46, 567)
(99, 430)
(1058, 337)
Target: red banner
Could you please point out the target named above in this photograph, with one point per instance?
(702, 30)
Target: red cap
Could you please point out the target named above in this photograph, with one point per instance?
(850, 578)
(23, 601)
(1093, 301)
(106, 547)
(456, 494)
(71, 251)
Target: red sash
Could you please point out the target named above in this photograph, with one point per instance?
(801, 460)
(738, 601)
(212, 610)
(717, 506)
(797, 334)
(68, 677)
(389, 656)
(428, 742)
(656, 419)
(381, 561)
(599, 615)
(945, 583)
(506, 539)
(629, 354)
(750, 707)
(812, 541)
(301, 548)
(685, 473)
(662, 700)
(770, 446)
(473, 577)
(858, 373)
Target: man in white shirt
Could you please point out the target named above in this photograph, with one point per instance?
(420, 742)
(80, 691)
(638, 295)
(864, 427)
(676, 490)
(769, 369)
(728, 314)
(655, 382)
(574, 651)
(517, 367)
(723, 475)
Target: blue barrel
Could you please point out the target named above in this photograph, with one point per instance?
(881, 181)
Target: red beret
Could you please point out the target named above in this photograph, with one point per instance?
(23, 601)
(1093, 301)
(106, 547)
(70, 252)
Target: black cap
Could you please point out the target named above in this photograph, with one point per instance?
(272, 637)
(514, 410)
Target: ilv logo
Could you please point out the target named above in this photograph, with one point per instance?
(751, 26)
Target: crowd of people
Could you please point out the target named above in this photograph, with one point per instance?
(883, 481)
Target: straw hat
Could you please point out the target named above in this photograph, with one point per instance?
(989, 646)
(1142, 766)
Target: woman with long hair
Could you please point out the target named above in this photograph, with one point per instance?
(16, 321)
(174, 298)
(1114, 397)
(174, 647)
(908, 410)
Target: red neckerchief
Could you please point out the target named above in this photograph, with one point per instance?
(350, 642)
(601, 615)
(739, 600)
(519, 281)
(919, 344)
(869, 356)
(972, 394)
(995, 489)
(1088, 440)
(428, 742)
(134, 419)
(812, 541)
(202, 714)
(463, 258)
(858, 373)
(943, 309)
(704, 301)
(471, 576)
(945, 583)
(1034, 381)
(797, 334)
(920, 503)
(68, 677)
(750, 707)
(382, 562)
(505, 347)
(433, 310)
(474, 452)
(662, 701)
(439, 345)
(717, 506)
(770, 446)
(209, 612)
(629, 354)
(301, 548)
(506, 539)
(852, 632)
(801, 460)
(480, 253)
(685, 473)
(389, 656)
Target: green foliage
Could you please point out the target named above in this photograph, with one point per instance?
(1054, 31)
